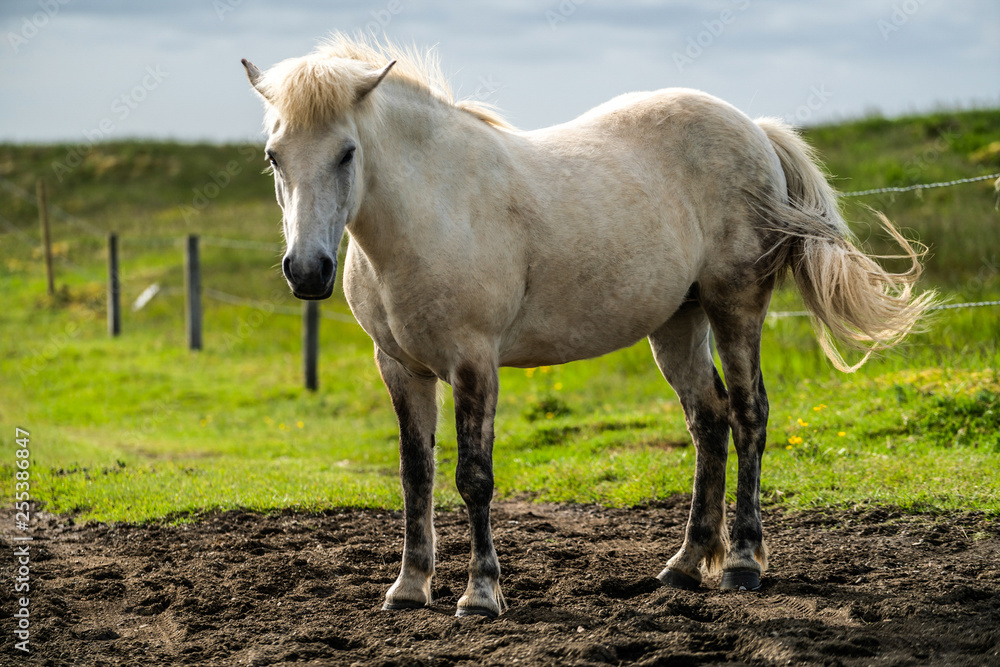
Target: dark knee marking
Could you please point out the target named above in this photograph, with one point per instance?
(474, 473)
(416, 464)
(474, 477)
(749, 410)
(711, 432)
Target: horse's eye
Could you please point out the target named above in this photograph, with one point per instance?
(347, 157)
(269, 156)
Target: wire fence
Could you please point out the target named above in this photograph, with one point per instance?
(924, 186)
(234, 300)
(249, 244)
(777, 315)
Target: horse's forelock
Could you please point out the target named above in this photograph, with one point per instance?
(312, 90)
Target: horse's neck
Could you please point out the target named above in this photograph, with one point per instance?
(415, 155)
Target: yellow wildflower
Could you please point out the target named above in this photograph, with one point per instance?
(795, 440)
(557, 386)
(802, 423)
(841, 433)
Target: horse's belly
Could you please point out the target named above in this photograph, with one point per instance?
(581, 329)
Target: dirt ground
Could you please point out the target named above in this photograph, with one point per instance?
(845, 588)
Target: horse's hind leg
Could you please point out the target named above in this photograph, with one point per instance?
(737, 319)
(681, 349)
(414, 400)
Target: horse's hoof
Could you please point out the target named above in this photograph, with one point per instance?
(401, 605)
(476, 611)
(676, 579)
(740, 580)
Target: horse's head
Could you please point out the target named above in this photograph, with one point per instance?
(316, 157)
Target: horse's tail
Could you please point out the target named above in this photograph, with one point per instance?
(851, 298)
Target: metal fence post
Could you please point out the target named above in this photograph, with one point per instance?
(43, 219)
(310, 343)
(114, 288)
(192, 279)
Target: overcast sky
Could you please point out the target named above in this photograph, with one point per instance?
(79, 70)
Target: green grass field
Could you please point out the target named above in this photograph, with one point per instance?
(139, 428)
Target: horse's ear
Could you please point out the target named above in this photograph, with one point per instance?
(254, 75)
(369, 82)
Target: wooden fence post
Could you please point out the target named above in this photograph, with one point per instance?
(43, 219)
(114, 288)
(192, 291)
(310, 343)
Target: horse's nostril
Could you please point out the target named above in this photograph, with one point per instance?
(325, 270)
(286, 268)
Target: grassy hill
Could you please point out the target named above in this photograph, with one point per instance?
(138, 427)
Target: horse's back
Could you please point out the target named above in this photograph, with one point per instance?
(635, 200)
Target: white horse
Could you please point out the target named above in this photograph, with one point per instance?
(474, 246)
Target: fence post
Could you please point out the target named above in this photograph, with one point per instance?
(310, 343)
(43, 219)
(192, 291)
(114, 288)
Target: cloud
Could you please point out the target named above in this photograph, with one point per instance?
(61, 83)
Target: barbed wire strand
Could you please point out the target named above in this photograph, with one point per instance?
(21, 193)
(151, 241)
(921, 186)
(234, 300)
(242, 244)
(948, 306)
(33, 242)
(275, 247)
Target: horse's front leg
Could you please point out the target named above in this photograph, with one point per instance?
(413, 398)
(476, 389)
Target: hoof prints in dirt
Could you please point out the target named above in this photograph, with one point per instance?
(846, 588)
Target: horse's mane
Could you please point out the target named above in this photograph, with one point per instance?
(312, 90)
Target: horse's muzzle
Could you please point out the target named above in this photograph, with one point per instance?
(313, 282)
